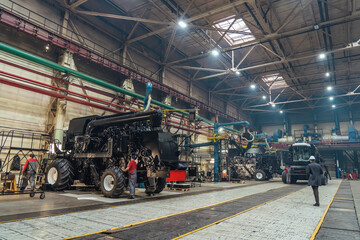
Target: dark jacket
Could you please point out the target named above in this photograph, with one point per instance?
(314, 173)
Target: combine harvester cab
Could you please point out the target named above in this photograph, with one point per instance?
(299, 154)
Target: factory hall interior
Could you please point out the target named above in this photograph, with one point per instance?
(180, 119)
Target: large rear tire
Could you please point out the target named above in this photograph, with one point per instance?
(283, 177)
(160, 185)
(290, 179)
(260, 175)
(60, 174)
(112, 182)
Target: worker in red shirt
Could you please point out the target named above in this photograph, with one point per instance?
(29, 172)
(132, 176)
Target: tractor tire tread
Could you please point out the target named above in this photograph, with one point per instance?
(119, 182)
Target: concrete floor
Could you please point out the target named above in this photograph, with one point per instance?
(291, 216)
(342, 218)
(16, 207)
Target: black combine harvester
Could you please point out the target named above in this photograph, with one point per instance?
(97, 147)
(299, 154)
(252, 162)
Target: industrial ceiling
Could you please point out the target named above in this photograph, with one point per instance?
(262, 55)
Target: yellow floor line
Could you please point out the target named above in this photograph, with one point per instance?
(347, 199)
(224, 219)
(323, 216)
(87, 234)
(174, 214)
(131, 203)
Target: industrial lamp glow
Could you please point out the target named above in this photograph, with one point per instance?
(329, 88)
(322, 56)
(215, 52)
(182, 23)
(253, 86)
(331, 98)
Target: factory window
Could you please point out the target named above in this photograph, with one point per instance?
(274, 81)
(243, 33)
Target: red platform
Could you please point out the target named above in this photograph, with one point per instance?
(177, 176)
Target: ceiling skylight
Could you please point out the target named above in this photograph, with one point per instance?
(244, 34)
(274, 81)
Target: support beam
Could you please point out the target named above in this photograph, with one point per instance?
(246, 55)
(212, 76)
(294, 13)
(149, 34)
(284, 60)
(302, 100)
(217, 10)
(116, 16)
(200, 68)
(77, 3)
(274, 36)
(169, 45)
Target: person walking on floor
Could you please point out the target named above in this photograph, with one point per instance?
(132, 176)
(29, 173)
(314, 172)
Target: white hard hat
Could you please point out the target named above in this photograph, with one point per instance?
(312, 158)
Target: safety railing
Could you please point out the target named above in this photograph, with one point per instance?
(18, 145)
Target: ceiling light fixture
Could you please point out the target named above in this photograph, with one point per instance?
(253, 86)
(215, 52)
(281, 111)
(329, 88)
(333, 106)
(182, 23)
(237, 72)
(264, 97)
(322, 56)
(331, 98)
(327, 74)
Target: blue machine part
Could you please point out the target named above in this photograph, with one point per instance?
(258, 137)
(277, 135)
(148, 93)
(352, 133)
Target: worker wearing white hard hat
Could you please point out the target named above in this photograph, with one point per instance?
(314, 172)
